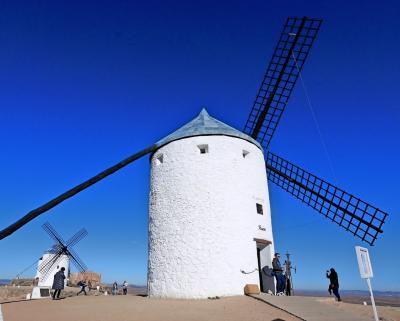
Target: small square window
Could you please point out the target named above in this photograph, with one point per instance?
(159, 159)
(259, 209)
(203, 149)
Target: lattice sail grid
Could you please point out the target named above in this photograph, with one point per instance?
(287, 61)
(356, 216)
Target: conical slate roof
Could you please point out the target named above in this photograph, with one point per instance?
(205, 125)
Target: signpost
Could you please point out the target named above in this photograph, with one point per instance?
(364, 264)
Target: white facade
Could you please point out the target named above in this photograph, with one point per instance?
(204, 228)
(62, 261)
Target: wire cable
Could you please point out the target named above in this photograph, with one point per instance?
(328, 157)
(26, 269)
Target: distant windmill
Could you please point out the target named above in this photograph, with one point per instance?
(60, 255)
(208, 202)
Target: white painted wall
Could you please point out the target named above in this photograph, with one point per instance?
(62, 262)
(203, 218)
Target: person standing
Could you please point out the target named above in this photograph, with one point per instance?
(125, 287)
(115, 288)
(333, 283)
(278, 272)
(58, 283)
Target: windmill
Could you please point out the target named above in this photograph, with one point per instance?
(60, 255)
(356, 216)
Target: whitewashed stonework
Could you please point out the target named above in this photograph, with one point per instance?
(203, 218)
(63, 261)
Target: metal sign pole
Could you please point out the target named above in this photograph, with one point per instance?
(364, 265)
(372, 299)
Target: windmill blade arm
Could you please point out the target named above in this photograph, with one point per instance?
(77, 237)
(287, 61)
(53, 233)
(356, 216)
(77, 261)
(61, 198)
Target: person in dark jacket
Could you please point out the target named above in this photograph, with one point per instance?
(58, 283)
(333, 283)
(83, 286)
(278, 272)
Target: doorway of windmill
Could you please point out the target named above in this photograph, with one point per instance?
(264, 261)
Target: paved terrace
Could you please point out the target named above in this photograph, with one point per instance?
(326, 308)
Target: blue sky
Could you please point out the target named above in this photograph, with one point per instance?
(85, 84)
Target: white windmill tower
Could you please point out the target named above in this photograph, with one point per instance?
(209, 214)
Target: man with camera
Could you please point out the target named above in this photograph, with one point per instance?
(334, 283)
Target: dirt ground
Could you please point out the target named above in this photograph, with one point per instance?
(130, 308)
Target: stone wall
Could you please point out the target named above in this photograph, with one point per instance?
(93, 277)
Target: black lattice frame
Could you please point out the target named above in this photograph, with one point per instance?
(296, 40)
(62, 248)
(45, 268)
(76, 238)
(76, 260)
(53, 234)
(49, 261)
(360, 218)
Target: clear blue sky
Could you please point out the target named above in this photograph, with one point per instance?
(85, 84)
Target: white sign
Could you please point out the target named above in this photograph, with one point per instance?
(364, 264)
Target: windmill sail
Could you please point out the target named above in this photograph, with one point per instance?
(358, 217)
(73, 191)
(288, 59)
(47, 268)
(297, 37)
(61, 253)
(49, 261)
(77, 237)
(53, 234)
(76, 260)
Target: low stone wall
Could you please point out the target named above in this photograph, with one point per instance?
(23, 282)
(92, 277)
